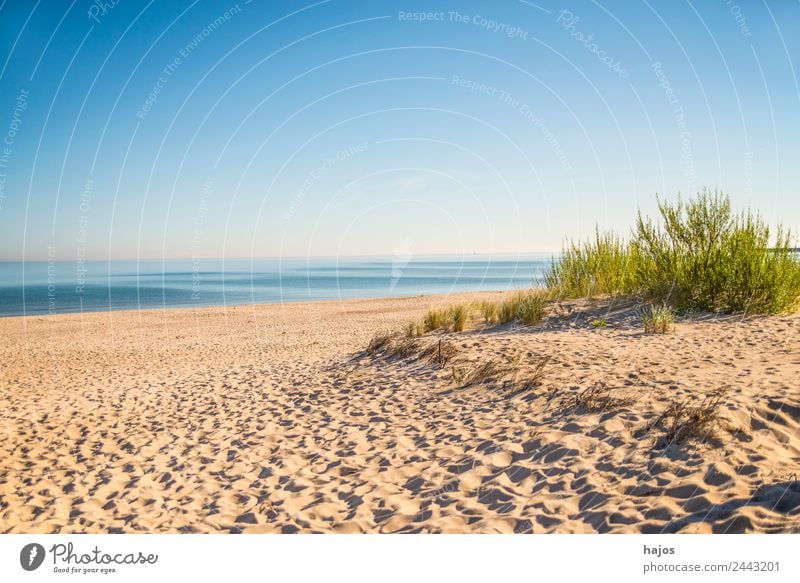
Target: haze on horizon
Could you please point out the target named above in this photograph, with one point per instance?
(188, 129)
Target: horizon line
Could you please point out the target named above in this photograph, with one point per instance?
(261, 257)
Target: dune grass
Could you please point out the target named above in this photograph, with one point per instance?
(698, 256)
(488, 311)
(525, 306)
(658, 319)
(452, 319)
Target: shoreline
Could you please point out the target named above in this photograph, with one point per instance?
(257, 306)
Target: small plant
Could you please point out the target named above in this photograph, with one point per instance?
(599, 323)
(658, 320)
(530, 310)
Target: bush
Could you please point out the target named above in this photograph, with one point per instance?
(698, 256)
(592, 268)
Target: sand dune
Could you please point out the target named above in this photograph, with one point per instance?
(272, 419)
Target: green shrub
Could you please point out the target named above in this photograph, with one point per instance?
(600, 323)
(595, 267)
(700, 255)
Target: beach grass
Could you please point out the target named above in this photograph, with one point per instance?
(658, 319)
(524, 306)
(488, 311)
(699, 255)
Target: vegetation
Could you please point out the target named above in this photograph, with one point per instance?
(683, 421)
(699, 256)
(458, 317)
(658, 320)
(488, 310)
(598, 398)
(599, 323)
(380, 342)
(526, 307)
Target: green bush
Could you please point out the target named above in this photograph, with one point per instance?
(700, 255)
(592, 268)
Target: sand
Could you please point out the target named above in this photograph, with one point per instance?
(272, 419)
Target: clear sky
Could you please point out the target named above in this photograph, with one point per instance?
(222, 129)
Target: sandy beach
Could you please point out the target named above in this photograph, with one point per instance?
(271, 418)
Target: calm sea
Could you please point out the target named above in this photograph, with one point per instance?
(59, 287)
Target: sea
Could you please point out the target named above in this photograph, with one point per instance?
(54, 287)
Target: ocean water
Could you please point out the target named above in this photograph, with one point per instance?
(60, 287)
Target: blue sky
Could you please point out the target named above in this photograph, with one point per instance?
(215, 129)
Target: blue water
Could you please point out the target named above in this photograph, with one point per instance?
(59, 287)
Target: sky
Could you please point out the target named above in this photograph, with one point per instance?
(190, 129)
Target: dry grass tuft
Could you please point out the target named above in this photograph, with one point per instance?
(531, 381)
(683, 422)
(597, 398)
(440, 352)
(489, 371)
(413, 329)
(403, 347)
(380, 342)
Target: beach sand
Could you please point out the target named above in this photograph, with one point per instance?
(271, 418)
